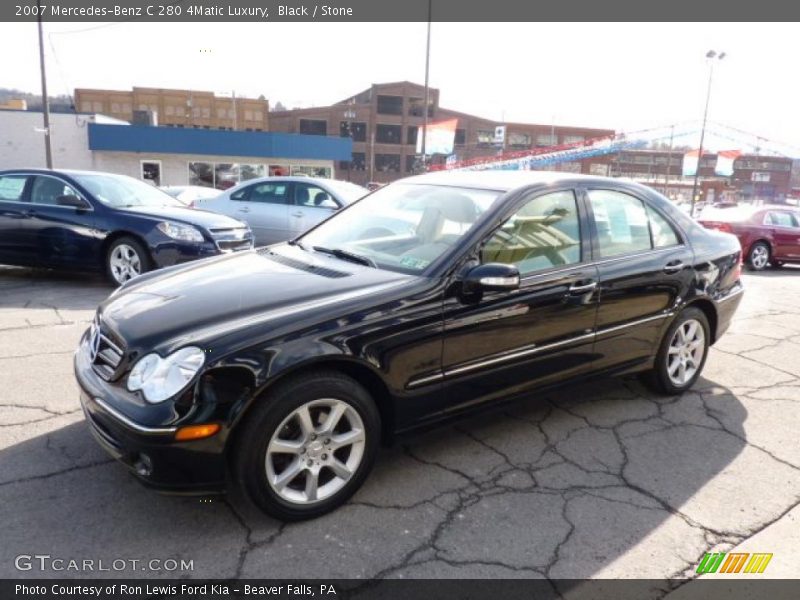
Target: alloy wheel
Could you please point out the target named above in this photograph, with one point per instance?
(685, 353)
(759, 257)
(125, 263)
(315, 451)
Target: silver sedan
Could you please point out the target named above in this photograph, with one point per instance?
(281, 208)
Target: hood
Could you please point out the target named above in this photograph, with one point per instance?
(202, 218)
(202, 301)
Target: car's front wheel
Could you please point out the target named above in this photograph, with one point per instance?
(307, 446)
(681, 354)
(126, 258)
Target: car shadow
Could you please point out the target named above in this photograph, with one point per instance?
(24, 287)
(566, 485)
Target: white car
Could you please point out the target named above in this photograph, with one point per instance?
(281, 208)
(189, 195)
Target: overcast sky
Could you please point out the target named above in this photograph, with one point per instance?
(620, 76)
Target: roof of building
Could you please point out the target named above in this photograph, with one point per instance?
(176, 140)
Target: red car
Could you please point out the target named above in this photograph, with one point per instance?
(768, 234)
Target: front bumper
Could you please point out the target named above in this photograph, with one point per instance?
(149, 451)
(169, 253)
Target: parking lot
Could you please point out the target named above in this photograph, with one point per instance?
(602, 480)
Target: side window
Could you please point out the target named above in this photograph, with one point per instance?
(663, 233)
(544, 233)
(46, 190)
(312, 196)
(269, 193)
(781, 219)
(11, 187)
(621, 220)
(242, 193)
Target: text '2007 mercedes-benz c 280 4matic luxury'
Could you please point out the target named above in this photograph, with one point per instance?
(281, 369)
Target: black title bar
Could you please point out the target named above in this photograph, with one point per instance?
(398, 10)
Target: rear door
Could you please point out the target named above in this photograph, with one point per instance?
(644, 266)
(507, 342)
(265, 207)
(785, 229)
(311, 205)
(15, 244)
(61, 235)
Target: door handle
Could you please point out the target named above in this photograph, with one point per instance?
(245, 209)
(297, 214)
(673, 267)
(584, 288)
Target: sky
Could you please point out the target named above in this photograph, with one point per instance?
(625, 77)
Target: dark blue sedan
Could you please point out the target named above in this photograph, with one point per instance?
(102, 222)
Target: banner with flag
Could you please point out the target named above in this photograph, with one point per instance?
(690, 163)
(440, 138)
(725, 160)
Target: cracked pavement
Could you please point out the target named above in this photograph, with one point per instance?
(601, 480)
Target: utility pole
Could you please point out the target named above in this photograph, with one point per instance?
(427, 89)
(669, 160)
(235, 115)
(710, 55)
(48, 153)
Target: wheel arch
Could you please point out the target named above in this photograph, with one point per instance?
(114, 236)
(710, 311)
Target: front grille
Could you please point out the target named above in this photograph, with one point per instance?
(104, 353)
(232, 239)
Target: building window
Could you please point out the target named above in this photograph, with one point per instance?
(416, 107)
(573, 139)
(126, 107)
(221, 113)
(411, 135)
(388, 134)
(115, 107)
(86, 106)
(278, 170)
(313, 127)
(324, 172)
(258, 115)
(97, 106)
(485, 137)
(206, 112)
(545, 139)
(390, 105)
(387, 163)
(201, 173)
(519, 141)
(411, 163)
(356, 130)
(248, 115)
(359, 161)
(461, 137)
(151, 171)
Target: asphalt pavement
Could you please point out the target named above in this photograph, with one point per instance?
(600, 480)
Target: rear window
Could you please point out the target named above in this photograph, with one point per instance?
(11, 187)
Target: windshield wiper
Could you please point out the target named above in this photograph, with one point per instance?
(345, 255)
(296, 243)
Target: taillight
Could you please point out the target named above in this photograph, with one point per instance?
(718, 225)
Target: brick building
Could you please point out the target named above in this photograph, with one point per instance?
(383, 122)
(177, 108)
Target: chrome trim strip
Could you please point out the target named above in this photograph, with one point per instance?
(130, 423)
(634, 323)
(423, 380)
(516, 354)
(732, 294)
(638, 254)
(108, 341)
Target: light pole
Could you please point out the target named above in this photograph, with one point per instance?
(427, 88)
(48, 153)
(710, 55)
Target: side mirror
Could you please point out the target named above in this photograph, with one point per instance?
(492, 277)
(73, 201)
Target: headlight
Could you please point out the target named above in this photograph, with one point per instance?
(161, 378)
(177, 231)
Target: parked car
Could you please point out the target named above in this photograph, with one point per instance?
(281, 369)
(85, 220)
(281, 208)
(188, 195)
(768, 234)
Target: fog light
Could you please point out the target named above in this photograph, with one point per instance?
(143, 466)
(196, 432)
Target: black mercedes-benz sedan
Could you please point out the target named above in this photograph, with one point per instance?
(90, 221)
(281, 369)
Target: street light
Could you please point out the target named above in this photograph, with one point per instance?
(711, 55)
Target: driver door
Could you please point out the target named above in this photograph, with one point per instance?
(312, 204)
(507, 342)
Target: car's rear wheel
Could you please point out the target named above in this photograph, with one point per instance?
(126, 258)
(758, 257)
(681, 354)
(307, 446)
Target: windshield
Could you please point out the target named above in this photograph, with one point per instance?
(402, 227)
(119, 191)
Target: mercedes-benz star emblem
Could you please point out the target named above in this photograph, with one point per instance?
(94, 344)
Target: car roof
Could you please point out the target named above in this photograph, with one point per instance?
(499, 180)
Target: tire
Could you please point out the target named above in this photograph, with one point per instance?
(667, 376)
(126, 258)
(758, 257)
(275, 456)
